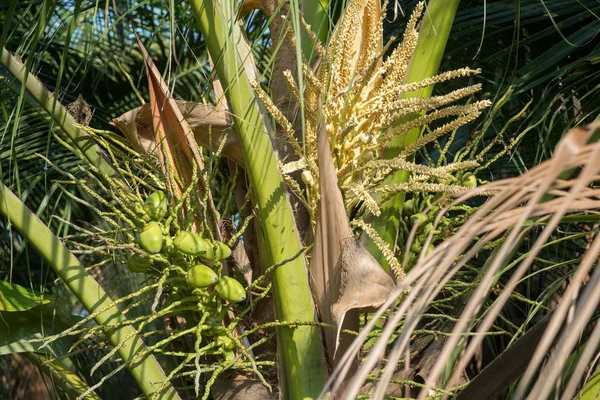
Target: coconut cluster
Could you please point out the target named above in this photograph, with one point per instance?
(180, 250)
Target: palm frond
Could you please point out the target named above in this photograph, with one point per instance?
(542, 197)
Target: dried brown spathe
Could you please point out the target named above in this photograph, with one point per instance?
(345, 276)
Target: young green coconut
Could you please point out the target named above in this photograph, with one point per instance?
(151, 238)
(156, 205)
(202, 276)
(230, 289)
(192, 244)
(136, 263)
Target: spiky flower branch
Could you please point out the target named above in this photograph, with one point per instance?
(365, 107)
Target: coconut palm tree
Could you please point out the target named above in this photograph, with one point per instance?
(231, 194)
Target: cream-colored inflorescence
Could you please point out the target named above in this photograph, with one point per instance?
(362, 99)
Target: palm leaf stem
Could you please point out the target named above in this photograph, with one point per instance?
(38, 96)
(61, 376)
(146, 371)
(301, 356)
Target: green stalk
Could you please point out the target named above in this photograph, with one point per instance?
(147, 372)
(302, 370)
(592, 387)
(425, 63)
(38, 96)
(61, 376)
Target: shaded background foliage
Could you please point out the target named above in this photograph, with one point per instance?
(546, 51)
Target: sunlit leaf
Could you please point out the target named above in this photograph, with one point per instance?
(17, 298)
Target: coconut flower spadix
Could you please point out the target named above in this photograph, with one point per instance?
(231, 290)
(202, 276)
(156, 205)
(151, 237)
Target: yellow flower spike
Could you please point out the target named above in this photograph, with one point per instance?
(361, 101)
(354, 42)
(349, 145)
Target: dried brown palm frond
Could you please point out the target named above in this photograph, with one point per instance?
(210, 125)
(178, 153)
(541, 197)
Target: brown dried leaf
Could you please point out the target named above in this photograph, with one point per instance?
(204, 120)
(363, 284)
(508, 366)
(345, 276)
